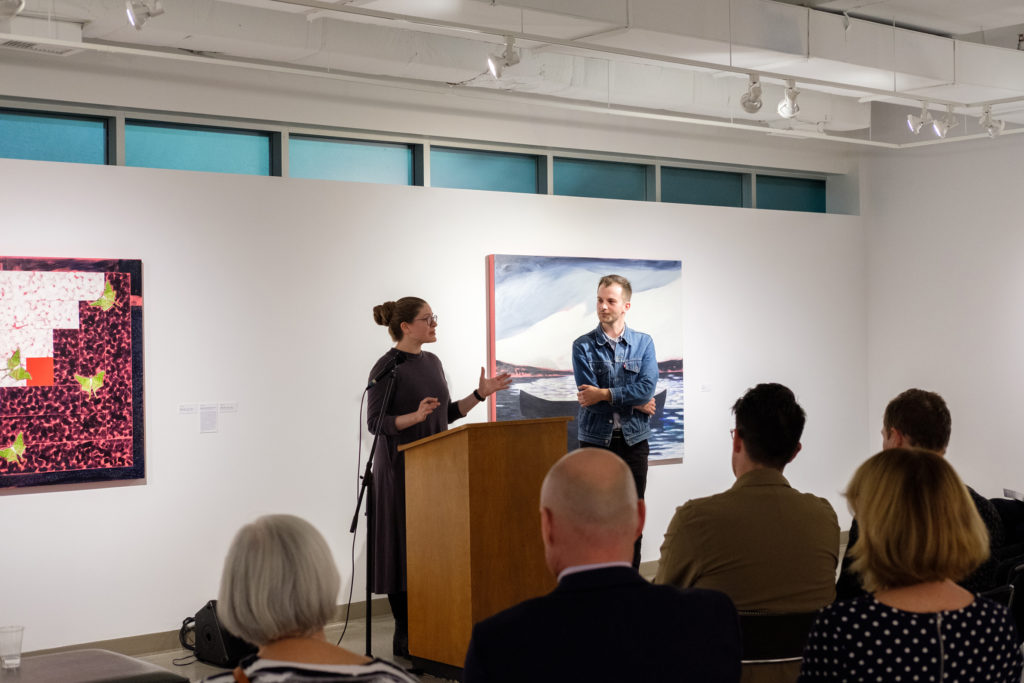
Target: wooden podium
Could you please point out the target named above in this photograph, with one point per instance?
(472, 500)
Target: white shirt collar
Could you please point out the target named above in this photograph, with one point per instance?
(590, 567)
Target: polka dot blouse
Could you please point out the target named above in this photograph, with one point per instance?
(862, 640)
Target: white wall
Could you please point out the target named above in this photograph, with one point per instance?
(946, 295)
(260, 290)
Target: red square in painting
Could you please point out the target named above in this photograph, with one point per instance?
(41, 370)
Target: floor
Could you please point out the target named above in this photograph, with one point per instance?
(354, 640)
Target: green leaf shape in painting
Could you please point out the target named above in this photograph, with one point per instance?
(14, 369)
(14, 452)
(91, 385)
(107, 299)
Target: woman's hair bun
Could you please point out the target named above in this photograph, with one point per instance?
(383, 313)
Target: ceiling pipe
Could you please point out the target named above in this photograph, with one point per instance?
(501, 95)
(551, 101)
(577, 45)
(431, 86)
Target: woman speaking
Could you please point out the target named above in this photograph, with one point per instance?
(419, 407)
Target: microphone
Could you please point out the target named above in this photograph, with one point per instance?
(395, 362)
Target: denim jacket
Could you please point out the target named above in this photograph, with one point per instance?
(630, 371)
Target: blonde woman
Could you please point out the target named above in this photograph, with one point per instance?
(919, 534)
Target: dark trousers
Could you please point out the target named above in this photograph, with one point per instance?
(635, 457)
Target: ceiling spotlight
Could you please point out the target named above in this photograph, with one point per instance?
(751, 100)
(8, 8)
(942, 126)
(992, 126)
(788, 108)
(915, 123)
(497, 62)
(141, 11)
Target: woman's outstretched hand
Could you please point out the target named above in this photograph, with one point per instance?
(489, 385)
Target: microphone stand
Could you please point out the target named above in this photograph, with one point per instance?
(368, 489)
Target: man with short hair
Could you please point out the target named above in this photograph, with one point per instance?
(603, 622)
(616, 373)
(767, 546)
(917, 419)
(920, 419)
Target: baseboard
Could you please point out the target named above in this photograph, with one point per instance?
(148, 643)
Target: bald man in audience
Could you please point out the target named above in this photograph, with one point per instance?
(603, 622)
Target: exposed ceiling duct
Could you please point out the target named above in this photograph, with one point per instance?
(687, 59)
(34, 35)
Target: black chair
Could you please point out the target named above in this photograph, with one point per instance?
(1001, 594)
(1011, 512)
(769, 638)
(1016, 603)
(1007, 560)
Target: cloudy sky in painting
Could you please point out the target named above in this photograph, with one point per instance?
(543, 303)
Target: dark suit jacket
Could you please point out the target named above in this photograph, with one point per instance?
(609, 625)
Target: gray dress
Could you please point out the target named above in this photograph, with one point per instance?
(419, 376)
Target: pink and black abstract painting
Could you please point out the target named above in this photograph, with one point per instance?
(71, 385)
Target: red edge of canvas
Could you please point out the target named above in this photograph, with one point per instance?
(492, 406)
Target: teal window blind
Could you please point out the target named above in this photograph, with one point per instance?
(698, 186)
(471, 169)
(790, 194)
(351, 160)
(603, 179)
(192, 148)
(53, 137)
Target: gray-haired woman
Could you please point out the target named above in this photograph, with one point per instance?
(278, 591)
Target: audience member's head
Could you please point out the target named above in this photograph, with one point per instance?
(918, 419)
(279, 581)
(589, 510)
(769, 423)
(917, 521)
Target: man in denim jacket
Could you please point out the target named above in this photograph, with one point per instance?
(616, 373)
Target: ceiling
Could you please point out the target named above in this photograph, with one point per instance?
(1002, 20)
(860, 66)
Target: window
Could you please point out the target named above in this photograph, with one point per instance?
(52, 137)
(88, 135)
(696, 186)
(191, 148)
(608, 179)
(471, 169)
(352, 160)
(790, 194)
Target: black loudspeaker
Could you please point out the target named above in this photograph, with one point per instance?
(215, 644)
